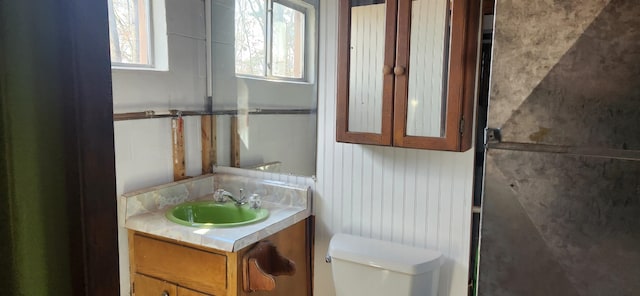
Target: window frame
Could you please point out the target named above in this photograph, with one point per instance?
(157, 39)
(307, 10)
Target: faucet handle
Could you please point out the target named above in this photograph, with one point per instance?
(220, 195)
(254, 201)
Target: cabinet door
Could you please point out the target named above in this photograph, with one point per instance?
(148, 286)
(435, 73)
(189, 267)
(366, 38)
(406, 72)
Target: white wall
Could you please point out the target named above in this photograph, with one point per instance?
(143, 147)
(184, 85)
(288, 139)
(414, 197)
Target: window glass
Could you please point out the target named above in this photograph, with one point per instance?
(129, 34)
(250, 43)
(270, 39)
(288, 42)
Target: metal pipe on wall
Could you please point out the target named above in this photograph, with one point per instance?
(148, 114)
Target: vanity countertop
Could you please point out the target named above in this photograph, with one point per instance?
(145, 211)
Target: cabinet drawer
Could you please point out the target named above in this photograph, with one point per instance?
(186, 292)
(147, 286)
(192, 268)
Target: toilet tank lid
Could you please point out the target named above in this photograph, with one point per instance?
(383, 254)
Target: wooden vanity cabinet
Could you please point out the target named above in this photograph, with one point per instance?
(165, 267)
(407, 72)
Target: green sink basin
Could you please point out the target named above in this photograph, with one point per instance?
(206, 214)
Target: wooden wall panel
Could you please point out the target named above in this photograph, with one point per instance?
(209, 143)
(177, 142)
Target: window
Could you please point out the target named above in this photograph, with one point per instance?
(137, 34)
(270, 39)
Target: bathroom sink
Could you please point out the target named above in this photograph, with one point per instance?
(206, 214)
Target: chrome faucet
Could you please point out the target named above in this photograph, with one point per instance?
(221, 194)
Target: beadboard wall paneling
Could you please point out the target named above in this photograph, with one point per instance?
(415, 197)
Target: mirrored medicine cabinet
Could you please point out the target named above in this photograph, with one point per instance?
(407, 72)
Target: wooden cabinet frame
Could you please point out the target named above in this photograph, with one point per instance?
(344, 33)
(463, 53)
(198, 269)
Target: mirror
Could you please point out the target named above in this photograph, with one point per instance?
(366, 59)
(427, 96)
(264, 84)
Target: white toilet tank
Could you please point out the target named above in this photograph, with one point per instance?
(368, 267)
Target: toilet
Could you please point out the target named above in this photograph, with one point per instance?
(369, 267)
